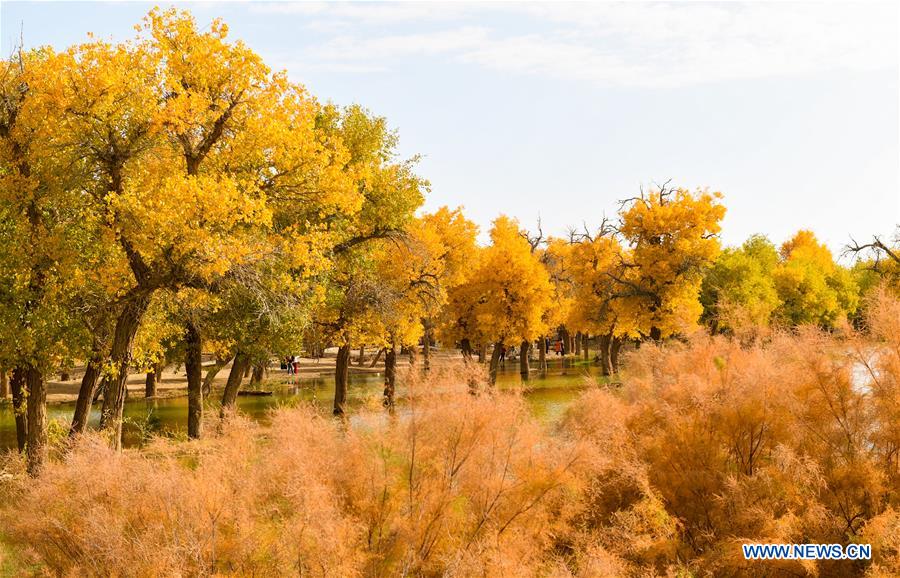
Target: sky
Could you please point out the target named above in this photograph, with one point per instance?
(556, 111)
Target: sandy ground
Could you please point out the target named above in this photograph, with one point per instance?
(174, 380)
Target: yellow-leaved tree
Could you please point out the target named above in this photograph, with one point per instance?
(556, 256)
(55, 268)
(415, 274)
(671, 236)
(196, 164)
(507, 296)
(390, 192)
(596, 262)
(813, 288)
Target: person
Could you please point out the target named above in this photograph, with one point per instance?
(290, 365)
(296, 365)
(558, 347)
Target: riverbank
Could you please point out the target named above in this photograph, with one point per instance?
(173, 381)
(548, 394)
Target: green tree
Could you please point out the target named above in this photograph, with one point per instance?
(390, 192)
(739, 289)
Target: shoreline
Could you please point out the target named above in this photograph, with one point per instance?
(173, 382)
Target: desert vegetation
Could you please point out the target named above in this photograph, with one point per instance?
(708, 443)
(171, 197)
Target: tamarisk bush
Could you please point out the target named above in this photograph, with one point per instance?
(709, 443)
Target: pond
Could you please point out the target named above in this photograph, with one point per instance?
(547, 394)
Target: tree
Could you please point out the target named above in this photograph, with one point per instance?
(188, 144)
(262, 310)
(444, 242)
(390, 192)
(672, 236)
(595, 264)
(739, 289)
(556, 255)
(458, 323)
(414, 274)
(876, 261)
(811, 286)
(48, 246)
(508, 295)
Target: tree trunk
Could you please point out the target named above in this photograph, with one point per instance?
(247, 371)
(120, 354)
(211, 374)
(466, 348)
(258, 373)
(36, 448)
(495, 362)
(390, 376)
(524, 368)
(482, 352)
(85, 397)
(101, 390)
(233, 385)
(542, 353)
(377, 357)
(604, 342)
(655, 334)
(4, 384)
(426, 339)
(585, 346)
(19, 395)
(150, 384)
(578, 338)
(614, 347)
(193, 366)
(361, 360)
(341, 376)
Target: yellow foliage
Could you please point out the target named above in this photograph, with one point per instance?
(671, 236)
(595, 264)
(507, 296)
(811, 286)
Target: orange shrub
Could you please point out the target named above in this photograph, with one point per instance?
(458, 484)
(709, 443)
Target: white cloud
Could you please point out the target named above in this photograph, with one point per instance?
(636, 44)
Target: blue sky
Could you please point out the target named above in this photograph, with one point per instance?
(558, 110)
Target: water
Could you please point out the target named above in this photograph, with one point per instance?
(547, 395)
